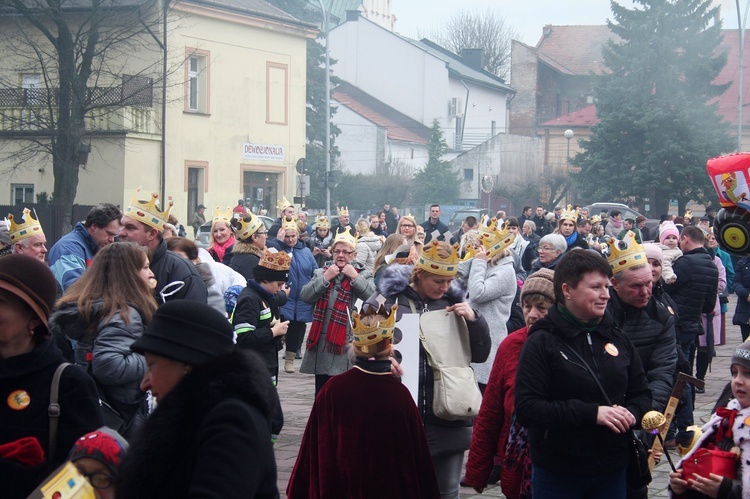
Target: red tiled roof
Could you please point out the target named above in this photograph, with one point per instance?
(574, 50)
(398, 125)
(584, 117)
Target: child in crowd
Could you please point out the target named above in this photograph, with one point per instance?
(669, 238)
(97, 455)
(727, 435)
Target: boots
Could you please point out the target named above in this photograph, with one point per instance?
(289, 361)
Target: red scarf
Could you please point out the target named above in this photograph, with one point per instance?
(724, 431)
(338, 324)
(220, 249)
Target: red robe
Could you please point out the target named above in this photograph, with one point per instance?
(364, 439)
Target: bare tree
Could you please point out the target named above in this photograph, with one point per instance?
(90, 60)
(479, 29)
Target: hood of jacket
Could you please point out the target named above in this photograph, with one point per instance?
(243, 247)
(68, 320)
(394, 280)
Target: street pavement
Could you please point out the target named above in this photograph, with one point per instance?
(297, 392)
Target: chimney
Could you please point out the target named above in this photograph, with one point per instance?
(547, 30)
(474, 58)
(352, 15)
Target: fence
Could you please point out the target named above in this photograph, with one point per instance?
(49, 216)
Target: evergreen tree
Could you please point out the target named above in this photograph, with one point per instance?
(436, 182)
(657, 107)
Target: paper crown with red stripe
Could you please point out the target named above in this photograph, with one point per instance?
(625, 253)
(430, 261)
(376, 337)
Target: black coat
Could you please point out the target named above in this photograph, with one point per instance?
(742, 289)
(209, 437)
(244, 258)
(429, 228)
(557, 400)
(80, 413)
(170, 267)
(252, 318)
(695, 289)
(542, 226)
(651, 329)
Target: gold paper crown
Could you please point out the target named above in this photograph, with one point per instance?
(493, 239)
(377, 337)
(430, 261)
(322, 222)
(29, 227)
(283, 204)
(688, 215)
(569, 214)
(147, 212)
(345, 237)
(279, 260)
(289, 224)
(343, 211)
(246, 229)
(625, 253)
(596, 219)
(222, 216)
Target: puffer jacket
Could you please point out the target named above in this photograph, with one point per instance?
(367, 250)
(170, 267)
(651, 329)
(742, 290)
(695, 289)
(300, 273)
(394, 285)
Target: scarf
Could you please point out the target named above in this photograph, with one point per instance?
(338, 324)
(617, 224)
(572, 238)
(587, 327)
(220, 249)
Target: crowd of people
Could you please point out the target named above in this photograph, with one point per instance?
(149, 363)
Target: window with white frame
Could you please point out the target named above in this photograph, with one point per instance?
(22, 194)
(197, 81)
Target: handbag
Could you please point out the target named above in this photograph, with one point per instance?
(638, 474)
(706, 461)
(445, 339)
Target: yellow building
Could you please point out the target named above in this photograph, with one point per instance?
(235, 113)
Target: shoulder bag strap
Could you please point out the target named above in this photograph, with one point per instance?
(54, 409)
(591, 372)
(411, 305)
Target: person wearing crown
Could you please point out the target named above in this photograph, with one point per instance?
(28, 237)
(255, 317)
(364, 398)
(579, 439)
(490, 279)
(567, 227)
(333, 290)
(342, 222)
(251, 235)
(286, 211)
(424, 287)
(222, 235)
(143, 223)
(321, 240)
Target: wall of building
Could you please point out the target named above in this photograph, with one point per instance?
(358, 141)
(523, 78)
(482, 107)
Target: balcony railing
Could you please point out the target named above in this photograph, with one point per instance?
(130, 119)
(469, 140)
(132, 91)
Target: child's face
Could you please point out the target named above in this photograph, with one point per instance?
(272, 287)
(741, 384)
(671, 242)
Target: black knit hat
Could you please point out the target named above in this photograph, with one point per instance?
(186, 331)
(30, 280)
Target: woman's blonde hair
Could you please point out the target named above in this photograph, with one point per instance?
(211, 234)
(114, 277)
(389, 246)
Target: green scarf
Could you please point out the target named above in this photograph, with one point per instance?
(588, 327)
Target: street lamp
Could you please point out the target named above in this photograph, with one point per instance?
(568, 135)
(326, 26)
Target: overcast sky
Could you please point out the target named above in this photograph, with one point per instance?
(528, 17)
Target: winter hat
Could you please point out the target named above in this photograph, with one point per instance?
(653, 251)
(30, 280)
(273, 266)
(741, 356)
(540, 283)
(187, 331)
(104, 445)
(668, 228)
(230, 297)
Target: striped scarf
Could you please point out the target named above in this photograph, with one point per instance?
(338, 324)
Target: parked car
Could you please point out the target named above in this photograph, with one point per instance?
(204, 233)
(627, 212)
(454, 224)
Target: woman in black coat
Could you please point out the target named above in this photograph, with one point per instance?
(210, 434)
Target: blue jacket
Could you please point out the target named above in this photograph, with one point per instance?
(300, 273)
(71, 255)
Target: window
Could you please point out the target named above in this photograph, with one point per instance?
(197, 82)
(277, 93)
(468, 174)
(22, 194)
(196, 184)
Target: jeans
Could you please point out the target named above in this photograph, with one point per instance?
(546, 484)
(447, 447)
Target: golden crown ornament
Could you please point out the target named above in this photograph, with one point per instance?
(246, 229)
(343, 211)
(345, 237)
(595, 220)
(29, 227)
(283, 204)
(376, 337)
(625, 253)
(275, 260)
(569, 214)
(430, 261)
(289, 224)
(147, 212)
(492, 238)
(222, 216)
(322, 222)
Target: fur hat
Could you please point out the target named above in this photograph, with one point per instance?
(30, 280)
(741, 355)
(653, 251)
(186, 331)
(541, 283)
(668, 228)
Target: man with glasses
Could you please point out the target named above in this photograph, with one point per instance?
(333, 290)
(70, 256)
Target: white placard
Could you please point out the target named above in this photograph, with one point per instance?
(408, 347)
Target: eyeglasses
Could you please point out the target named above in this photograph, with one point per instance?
(98, 480)
(408, 226)
(261, 233)
(542, 248)
(342, 252)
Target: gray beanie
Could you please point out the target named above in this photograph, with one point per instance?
(741, 356)
(540, 283)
